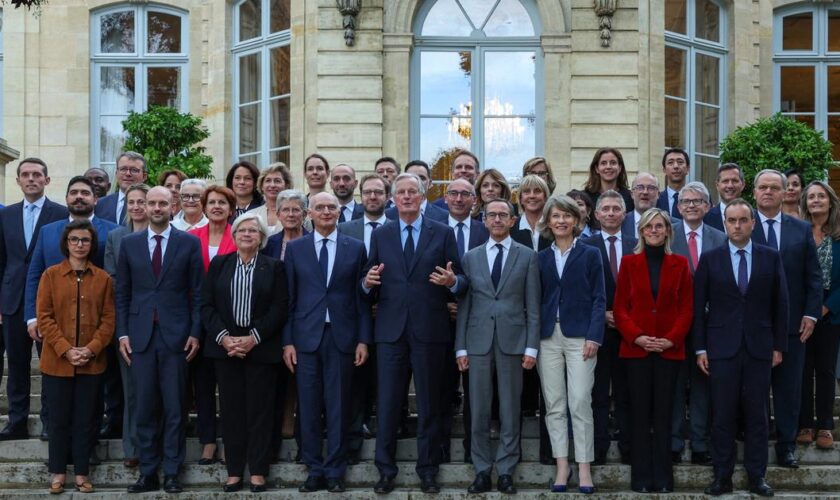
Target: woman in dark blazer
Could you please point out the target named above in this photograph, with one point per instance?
(572, 318)
(821, 207)
(244, 305)
(653, 311)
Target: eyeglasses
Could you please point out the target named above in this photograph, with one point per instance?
(373, 192)
(461, 194)
(325, 208)
(129, 170)
(497, 215)
(190, 197)
(641, 188)
(247, 230)
(694, 203)
(75, 240)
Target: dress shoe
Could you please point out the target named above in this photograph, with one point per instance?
(676, 457)
(367, 433)
(384, 486)
(429, 485)
(719, 486)
(336, 485)
(663, 489)
(144, 484)
(9, 433)
(586, 490)
(788, 460)
(110, 431)
(208, 461)
(131, 462)
(560, 488)
(232, 487)
(701, 458)
(505, 485)
(258, 488)
(825, 441)
(312, 484)
(642, 489)
(805, 436)
(761, 488)
(481, 484)
(172, 485)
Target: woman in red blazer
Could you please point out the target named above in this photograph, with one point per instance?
(653, 311)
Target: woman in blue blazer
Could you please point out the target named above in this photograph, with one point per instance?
(820, 206)
(572, 328)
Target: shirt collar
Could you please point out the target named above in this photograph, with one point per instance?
(38, 203)
(671, 192)
(416, 224)
(90, 219)
(607, 236)
(557, 250)
(734, 250)
(491, 243)
(763, 219)
(523, 223)
(381, 220)
(423, 206)
(65, 268)
(166, 233)
(453, 222)
(699, 230)
(249, 265)
(333, 236)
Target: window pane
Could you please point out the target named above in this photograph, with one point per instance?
(705, 171)
(164, 33)
(806, 119)
(279, 122)
(279, 15)
(674, 123)
(445, 79)
(509, 19)
(509, 83)
(834, 30)
(797, 31)
(708, 79)
(478, 10)
(833, 89)
(797, 89)
(707, 25)
(446, 19)
(834, 136)
(164, 87)
(675, 72)
(111, 137)
(440, 136)
(116, 32)
(116, 90)
(280, 76)
(706, 128)
(249, 78)
(280, 155)
(675, 13)
(508, 142)
(252, 157)
(250, 15)
(249, 128)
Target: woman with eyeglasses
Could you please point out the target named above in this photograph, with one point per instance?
(540, 167)
(191, 215)
(76, 317)
(271, 182)
(607, 171)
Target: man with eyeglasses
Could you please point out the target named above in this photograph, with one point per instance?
(131, 169)
(675, 164)
(691, 239)
(645, 192)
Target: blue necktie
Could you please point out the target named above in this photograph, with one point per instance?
(29, 224)
(324, 258)
(675, 207)
(771, 234)
(408, 249)
(459, 238)
(496, 274)
(743, 279)
(342, 217)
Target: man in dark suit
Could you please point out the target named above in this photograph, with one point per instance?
(159, 274)
(645, 193)
(20, 224)
(730, 184)
(610, 370)
(740, 332)
(691, 239)
(387, 168)
(675, 164)
(343, 183)
(327, 334)
(412, 267)
(793, 239)
(427, 210)
(131, 169)
(465, 165)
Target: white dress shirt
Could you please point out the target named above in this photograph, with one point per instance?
(777, 227)
(348, 209)
(535, 235)
(637, 217)
(150, 236)
(368, 230)
(332, 242)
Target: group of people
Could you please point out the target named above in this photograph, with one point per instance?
(678, 314)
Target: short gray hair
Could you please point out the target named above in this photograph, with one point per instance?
(782, 176)
(562, 203)
(260, 225)
(414, 177)
(611, 194)
(645, 174)
(697, 187)
(194, 182)
(291, 195)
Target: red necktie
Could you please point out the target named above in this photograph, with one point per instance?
(692, 248)
(157, 256)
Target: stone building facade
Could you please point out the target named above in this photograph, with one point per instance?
(277, 80)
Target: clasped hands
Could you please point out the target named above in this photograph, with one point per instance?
(653, 344)
(441, 276)
(238, 347)
(78, 356)
(290, 356)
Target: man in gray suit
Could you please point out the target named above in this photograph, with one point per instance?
(691, 239)
(498, 325)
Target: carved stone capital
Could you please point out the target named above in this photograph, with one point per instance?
(349, 9)
(605, 9)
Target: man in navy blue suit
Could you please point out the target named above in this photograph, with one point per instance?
(427, 210)
(465, 166)
(729, 184)
(327, 334)
(131, 169)
(645, 194)
(412, 268)
(793, 239)
(740, 332)
(20, 224)
(676, 165)
(610, 370)
(159, 274)
(343, 182)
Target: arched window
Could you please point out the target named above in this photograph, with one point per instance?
(476, 83)
(806, 48)
(695, 82)
(261, 81)
(139, 59)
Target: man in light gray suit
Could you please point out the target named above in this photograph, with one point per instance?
(691, 239)
(498, 324)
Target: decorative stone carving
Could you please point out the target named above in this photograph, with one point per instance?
(605, 9)
(349, 9)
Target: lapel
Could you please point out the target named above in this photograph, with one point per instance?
(340, 250)
(787, 230)
(425, 235)
(260, 275)
(605, 258)
(226, 276)
(642, 278)
(311, 255)
(758, 235)
(143, 252)
(172, 247)
(46, 212)
(483, 269)
(507, 268)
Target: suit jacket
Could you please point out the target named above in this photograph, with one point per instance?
(174, 295)
(637, 314)
(802, 269)
(407, 301)
(14, 256)
(432, 212)
(48, 253)
(310, 296)
(724, 319)
(226, 245)
(578, 298)
(106, 208)
(712, 238)
(523, 237)
(663, 203)
(274, 245)
(629, 224)
(714, 218)
(510, 313)
(628, 243)
(269, 307)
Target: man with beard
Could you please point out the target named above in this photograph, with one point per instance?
(645, 193)
(388, 168)
(101, 181)
(80, 203)
(343, 183)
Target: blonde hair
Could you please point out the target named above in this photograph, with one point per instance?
(646, 220)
